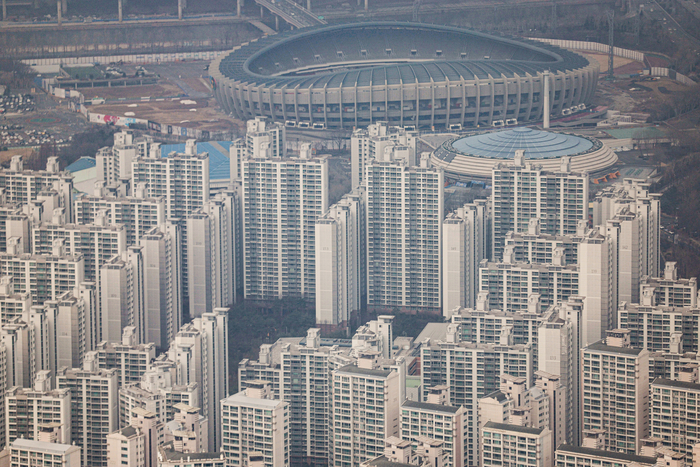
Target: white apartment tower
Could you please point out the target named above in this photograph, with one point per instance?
(162, 280)
(670, 290)
(674, 410)
(508, 445)
(263, 136)
(377, 140)
(123, 296)
(253, 422)
(637, 212)
(465, 243)
(340, 261)
(614, 381)
(24, 186)
(282, 200)
(365, 410)
(405, 208)
(522, 191)
(138, 213)
(182, 179)
(200, 353)
(211, 244)
(29, 453)
(92, 392)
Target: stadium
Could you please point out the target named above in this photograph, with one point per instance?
(473, 156)
(408, 74)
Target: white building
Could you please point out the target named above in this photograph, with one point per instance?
(200, 353)
(405, 208)
(25, 186)
(96, 242)
(615, 380)
(436, 421)
(138, 213)
(92, 391)
(126, 447)
(29, 453)
(182, 179)
(631, 206)
(39, 413)
(282, 200)
(211, 244)
(670, 290)
(340, 261)
(465, 243)
(470, 371)
(123, 296)
(574, 456)
(534, 246)
(365, 410)
(674, 412)
(114, 164)
(522, 191)
(374, 142)
(252, 421)
(44, 276)
(162, 280)
(12, 304)
(130, 358)
(510, 445)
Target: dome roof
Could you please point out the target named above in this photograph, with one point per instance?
(537, 144)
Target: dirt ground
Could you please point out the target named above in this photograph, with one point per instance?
(620, 64)
(203, 114)
(5, 156)
(162, 89)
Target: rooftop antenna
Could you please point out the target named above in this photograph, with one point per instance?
(611, 38)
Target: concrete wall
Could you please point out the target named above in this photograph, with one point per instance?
(116, 39)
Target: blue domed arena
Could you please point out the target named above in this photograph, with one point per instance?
(473, 156)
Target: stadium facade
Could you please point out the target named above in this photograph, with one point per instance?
(407, 74)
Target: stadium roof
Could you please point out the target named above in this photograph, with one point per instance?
(219, 162)
(537, 144)
(360, 54)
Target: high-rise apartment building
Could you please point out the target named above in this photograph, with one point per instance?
(39, 413)
(211, 254)
(96, 242)
(465, 243)
(615, 392)
(340, 261)
(533, 246)
(636, 211)
(365, 410)
(43, 276)
(123, 296)
(94, 409)
(24, 186)
(254, 422)
(30, 453)
(510, 445)
(674, 408)
(126, 447)
(200, 353)
(510, 285)
(130, 358)
(405, 207)
(137, 213)
(282, 200)
(162, 280)
(181, 179)
(12, 304)
(375, 142)
(522, 191)
(114, 163)
(670, 290)
(470, 371)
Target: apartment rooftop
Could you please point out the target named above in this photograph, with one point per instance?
(50, 448)
(353, 369)
(609, 454)
(601, 347)
(676, 384)
(516, 428)
(431, 407)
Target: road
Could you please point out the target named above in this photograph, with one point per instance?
(291, 12)
(653, 11)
